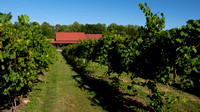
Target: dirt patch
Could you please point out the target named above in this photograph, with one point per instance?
(139, 100)
(40, 100)
(164, 89)
(23, 101)
(45, 73)
(122, 91)
(142, 88)
(69, 104)
(124, 80)
(193, 99)
(60, 100)
(39, 77)
(63, 100)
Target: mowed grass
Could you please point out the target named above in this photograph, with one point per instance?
(60, 92)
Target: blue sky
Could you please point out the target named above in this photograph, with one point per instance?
(122, 12)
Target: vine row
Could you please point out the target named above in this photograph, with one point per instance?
(152, 54)
(24, 53)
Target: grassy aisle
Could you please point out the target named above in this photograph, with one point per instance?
(60, 93)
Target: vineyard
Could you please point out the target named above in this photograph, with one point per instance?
(24, 53)
(154, 59)
(170, 57)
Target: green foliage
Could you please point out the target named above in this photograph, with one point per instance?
(153, 54)
(47, 30)
(154, 24)
(24, 53)
(50, 30)
(188, 55)
(4, 18)
(23, 19)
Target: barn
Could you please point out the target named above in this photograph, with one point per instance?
(65, 38)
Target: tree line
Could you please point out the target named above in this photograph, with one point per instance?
(50, 30)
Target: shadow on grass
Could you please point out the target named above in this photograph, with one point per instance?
(192, 90)
(6, 102)
(106, 95)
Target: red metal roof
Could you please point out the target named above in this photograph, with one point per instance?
(64, 41)
(73, 37)
(94, 36)
(70, 36)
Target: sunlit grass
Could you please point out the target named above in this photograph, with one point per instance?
(60, 93)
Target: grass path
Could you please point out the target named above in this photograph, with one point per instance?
(60, 93)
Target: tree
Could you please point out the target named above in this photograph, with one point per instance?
(112, 26)
(35, 23)
(95, 28)
(75, 27)
(47, 30)
(132, 29)
(61, 28)
(101, 28)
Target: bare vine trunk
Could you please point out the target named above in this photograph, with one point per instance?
(174, 73)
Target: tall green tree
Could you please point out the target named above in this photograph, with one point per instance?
(75, 27)
(35, 23)
(47, 30)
